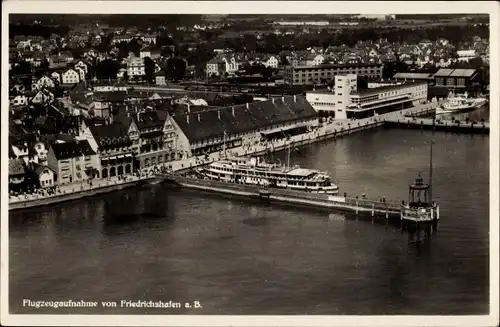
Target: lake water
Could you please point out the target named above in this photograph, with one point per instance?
(240, 257)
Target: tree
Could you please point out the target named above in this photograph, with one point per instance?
(134, 47)
(21, 68)
(149, 67)
(107, 69)
(267, 71)
(44, 65)
(175, 69)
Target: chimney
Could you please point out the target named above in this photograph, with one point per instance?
(232, 110)
(218, 114)
(187, 118)
(199, 117)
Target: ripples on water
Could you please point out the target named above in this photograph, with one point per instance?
(243, 257)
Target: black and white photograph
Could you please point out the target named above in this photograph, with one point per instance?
(238, 163)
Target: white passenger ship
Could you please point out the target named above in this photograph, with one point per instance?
(253, 171)
(460, 102)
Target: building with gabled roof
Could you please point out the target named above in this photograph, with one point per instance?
(72, 162)
(457, 78)
(113, 146)
(203, 131)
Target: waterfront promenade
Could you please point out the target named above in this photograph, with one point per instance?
(72, 191)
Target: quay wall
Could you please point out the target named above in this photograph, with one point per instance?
(446, 126)
(325, 201)
(39, 200)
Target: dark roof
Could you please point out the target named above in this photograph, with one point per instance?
(72, 149)
(426, 76)
(16, 167)
(150, 119)
(113, 96)
(323, 66)
(65, 137)
(111, 135)
(257, 115)
(39, 168)
(376, 90)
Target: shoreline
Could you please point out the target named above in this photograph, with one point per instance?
(34, 201)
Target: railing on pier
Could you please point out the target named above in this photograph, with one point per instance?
(360, 202)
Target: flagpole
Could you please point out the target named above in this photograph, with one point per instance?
(224, 145)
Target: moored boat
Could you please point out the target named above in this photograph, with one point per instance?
(254, 171)
(461, 102)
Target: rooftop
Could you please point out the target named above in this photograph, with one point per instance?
(413, 76)
(376, 90)
(16, 167)
(446, 72)
(247, 117)
(326, 66)
(112, 135)
(72, 149)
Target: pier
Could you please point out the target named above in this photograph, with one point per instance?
(390, 211)
(451, 126)
(356, 205)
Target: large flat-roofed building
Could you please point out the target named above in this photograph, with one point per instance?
(457, 78)
(381, 100)
(299, 75)
(346, 102)
(206, 131)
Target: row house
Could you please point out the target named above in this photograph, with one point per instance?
(71, 76)
(72, 162)
(38, 59)
(17, 173)
(215, 67)
(20, 150)
(121, 38)
(146, 129)
(43, 82)
(149, 38)
(46, 175)
(113, 147)
(151, 53)
(83, 65)
(42, 96)
(18, 100)
(160, 78)
(314, 59)
(57, 61)
(466, 55)
(135, 66)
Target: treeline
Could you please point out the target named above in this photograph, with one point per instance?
(272, 43)
(44, 31)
